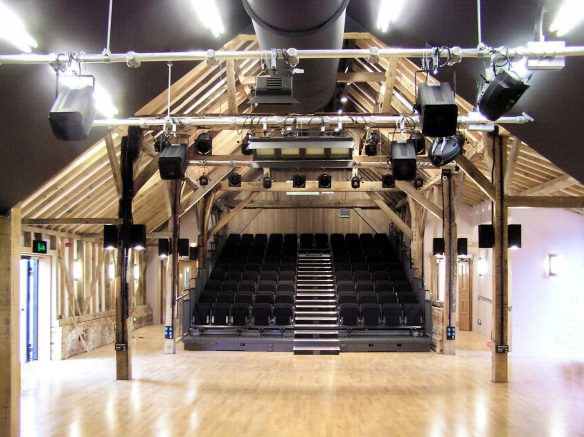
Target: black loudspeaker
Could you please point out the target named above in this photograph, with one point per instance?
(138, 237)
(73, 113)
(387, 181)
(462, 247)
(486, 236)
(110, 237)
(514, 236)
(437, 108)
(438, 246)
(193, 253)
(183, 247)
(419, 142)
(163, 247)
(501, 94)
(403, 160)
(173, 162)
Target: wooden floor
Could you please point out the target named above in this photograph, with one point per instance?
(272, 394)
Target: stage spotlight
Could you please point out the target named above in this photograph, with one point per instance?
(371, 144)
(403, 160)
(110, 237)
(299, 181)
(163, 247)
(437, 108)
(324, 180)
(418, 182)
(138, 237)
(267, 182)
(445, 150)
(204, 144)
(73, 113)
(355, 182)
(245, 150)
(173, 162)
(203, 180)
(500, 95)
(387, 181)
(234, 180)
(419, 142)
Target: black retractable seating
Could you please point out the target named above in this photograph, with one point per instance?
(264, 297)
(283, 313)
(276, 239)
(414, 314)
(229, 285)
(364, 286)
(225, 296)
(246, 239)
(262, 313)
(383, 286)
(379, 275)
(384, 297)
(213, 285)
(367, 297)
(359, 266)
(288, 266)
(286, 276)
(370, 314)
(349, 314)
(250, 275)
(337, 240)
(343, 276)
(249, 286)
(267, 286)
(321, 241)
(391, 314)
(285, 287)
(407, 297)
(261, 239)
(347, 297)
(208, 296)
(343, 286)
(244, 297)
(240, 314)
(361, 275)
(306, 241)
(202, 313)
(217, 275)
(233, 276)
(284, 297)
(220, 314)
(269, 275)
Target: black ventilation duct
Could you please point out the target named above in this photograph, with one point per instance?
(302, 24)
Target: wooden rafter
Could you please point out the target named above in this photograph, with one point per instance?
(407, 188)
(115, 166)
(511, 162)
(546, 201)
(393, 217)
(243, 226)
(221, 223)
(553, 185)
(475, 174)
(361, 213)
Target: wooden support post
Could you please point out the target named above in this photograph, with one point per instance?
(500, 271)
(231, 90)
(418, 220)
(512, 162)
(111, 154)
(10, 231)
(450, 259)
(390, 74)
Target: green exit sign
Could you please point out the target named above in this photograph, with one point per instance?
(39, 246)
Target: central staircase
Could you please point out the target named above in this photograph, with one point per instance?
(316, 313)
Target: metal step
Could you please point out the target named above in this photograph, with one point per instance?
(316, 306)
(309, 350)
(315, 333)
(315, 318)
(311, 326)
(313, 302)
(316, 313)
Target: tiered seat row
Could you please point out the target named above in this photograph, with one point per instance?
(252, 284)
(372, 287)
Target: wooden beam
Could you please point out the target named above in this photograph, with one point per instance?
(556, 184)
(390, 75)
(114, 164)
(232, 214)
(545, 201)
(360, 76)
(511, 162)
(144, 176)
(395, 219)
(431, 182)
(10, 377)
(408, 188)
(319, 204)
(231, 90)
(475, 174)
(248, 222)
(72, 221)
(311, 186)
(361, 213)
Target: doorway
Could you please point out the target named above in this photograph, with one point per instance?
(29, 320)
(464, 294)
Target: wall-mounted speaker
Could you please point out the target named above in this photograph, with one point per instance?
(514, 236)
(486, 236)
(183, 247)
(438, 246)
(462, 247)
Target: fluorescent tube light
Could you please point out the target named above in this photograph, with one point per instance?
(13, 30)
(568, 16)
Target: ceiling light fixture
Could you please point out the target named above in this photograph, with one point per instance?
(389, 12)
(209, 16)
(13, 30)
(568, 16)
(387, 181)
(324, 180)
(267, 182)
(234, 180)
(299, 181)
(204, 144)
(72, 78)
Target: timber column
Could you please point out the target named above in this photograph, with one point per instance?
(451, 262)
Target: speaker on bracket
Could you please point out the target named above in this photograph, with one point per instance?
(173, 162)
(403, 160)
(486, 236)
(437, 108)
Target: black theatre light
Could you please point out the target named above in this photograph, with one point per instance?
(355, 182)
(110, 237)
(183, 247)
(234, 180)
(403, 160)
(500, 95)
(462, 247)
(514, 236)
(299, 181)
(138, 237)
(245, 150)
(203, 180)
(163, 247)
(387, 181)
(438, 247)
(204, 144)
(72, 114)
(173, 162)
(324, 180)
(419, 142)
(267, 182)
(371, 144)
(437, 108)
(445, 150)
(418, 182)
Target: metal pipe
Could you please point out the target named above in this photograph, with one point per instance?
(219, 55)
(292, 120)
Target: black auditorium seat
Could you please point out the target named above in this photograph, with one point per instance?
(225, 296)
(342, 267)
(360, 266)
(208, 296)
(367, 297)
(252, 267)
(406, 297)
(283, 313)
(233, 276)
(261, 240)
(347, 297)
(213, 285)
(383, 286)
(276, 239)
(321, 241)
(286, 275)
(370, 314)
(267, 286)
(361, 275)
(240, 314)
(379, 275)
(262, 313)
(220, 314)
(201, 313)
(217, 275)
(414, 314)
(251, 275)
(343, 276)
(285, 287)
(384, 297)
(361, 286)
(246, 239)
(391, 314)
(236, 267)
(264, 297)
(244, 297)
(337, 240)
(349, 314)
(269, 275)
(306, 241)
(284, 297)
(343, 286)
(249, 286)
(229, 285)
(271, 267)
